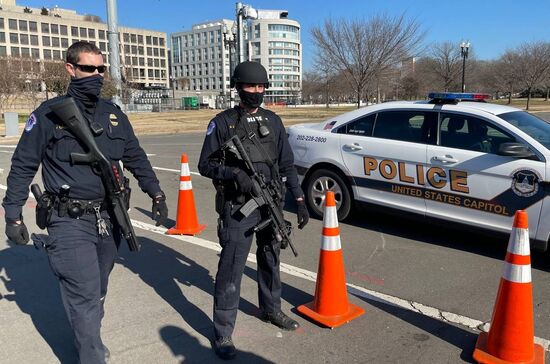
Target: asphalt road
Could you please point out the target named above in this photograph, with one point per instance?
(410, 277)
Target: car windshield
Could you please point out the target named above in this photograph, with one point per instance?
(536, 128)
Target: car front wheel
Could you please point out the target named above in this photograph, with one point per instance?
(318, 184)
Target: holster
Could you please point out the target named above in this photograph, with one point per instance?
(44, 209)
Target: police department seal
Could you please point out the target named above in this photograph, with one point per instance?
(525, 182)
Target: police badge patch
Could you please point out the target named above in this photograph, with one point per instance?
(211, 128)
(525, 182)
(31, 122)
(113, 119)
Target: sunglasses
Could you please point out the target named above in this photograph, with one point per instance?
(90, 69)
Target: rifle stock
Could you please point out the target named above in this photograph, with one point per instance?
(263, 194)
(70, 114)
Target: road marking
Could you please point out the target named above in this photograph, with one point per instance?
(150, 154)
(417, 307)
(6, 151)
(8, 146)
(174, 170)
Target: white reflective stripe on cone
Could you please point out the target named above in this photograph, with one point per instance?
(519, 242)
(185, 170)
(331, 243)
(185, 185)
(517, 273)
(330, 219)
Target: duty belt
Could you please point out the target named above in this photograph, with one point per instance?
(76, 208)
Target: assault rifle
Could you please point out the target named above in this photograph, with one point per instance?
(69, 113)
(263, 193)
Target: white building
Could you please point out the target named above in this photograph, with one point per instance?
(203, 57)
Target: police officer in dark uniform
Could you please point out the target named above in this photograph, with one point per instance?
(233, 185)
(82, 240)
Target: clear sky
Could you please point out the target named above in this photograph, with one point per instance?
(491, 26)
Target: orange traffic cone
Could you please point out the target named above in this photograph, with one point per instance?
(511, 336)
(330, 306)
(186, 220)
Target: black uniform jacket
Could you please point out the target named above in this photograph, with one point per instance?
(46, 140)
(222, 128)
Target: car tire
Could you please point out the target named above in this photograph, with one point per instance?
(321, 181)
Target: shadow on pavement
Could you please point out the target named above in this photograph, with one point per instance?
(32, 286)
(189, 350)
(454, 335)
(162, 268)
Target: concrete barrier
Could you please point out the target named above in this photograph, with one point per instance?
(11, 122)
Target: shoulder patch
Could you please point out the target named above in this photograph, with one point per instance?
(211, 128)
(31, 122)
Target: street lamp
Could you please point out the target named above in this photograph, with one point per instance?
(173, 79)
(464, 47)
(229, 41)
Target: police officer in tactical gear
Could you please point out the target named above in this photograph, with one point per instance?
(81, 254)
(234, 185)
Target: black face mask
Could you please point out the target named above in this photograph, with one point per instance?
(86, 88)
(251, 99)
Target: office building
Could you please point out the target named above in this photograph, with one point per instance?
(203, 57)
(45, 34)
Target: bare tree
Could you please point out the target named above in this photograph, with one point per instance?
(326, 75)
(533, 64)
(362, 49)
(55, 77)
(446, 65)
(11, 83)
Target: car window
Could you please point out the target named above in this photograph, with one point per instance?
(536, 128)
(471, 133)
(408, 126)
(362, 126)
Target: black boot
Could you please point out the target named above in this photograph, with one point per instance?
(281, 320)
(224, 348)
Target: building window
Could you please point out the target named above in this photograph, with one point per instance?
(34, 40)
(155, 41)
(3, 51)
(126, 37)
(134, 49)
(133, 38)
(83, 32)
(140, 39)
(15, 52)
(150, 73)
(63, 29)
(91, 33)
(25, 52)
(12, 24)
(148, 40)
(140, 50)
(101, 34)
(162, 52)
(149, 51)
(33, 27)
(161, 42)
(14, 38)
(56, 54)
(64, 43)
(141, 61)
(45, 27)
(46, 41)
(2, 37)
(74, 31)
(35, 53)
(54, 29)
(156, 52)
(55, 42)
(24, 38)
(23, 25)
(103, 46)
(1, 23)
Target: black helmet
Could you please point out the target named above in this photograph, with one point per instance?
(249, 72)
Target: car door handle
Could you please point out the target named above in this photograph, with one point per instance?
(445, 158)
(353, 147)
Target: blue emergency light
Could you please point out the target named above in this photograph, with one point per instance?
(457, 96)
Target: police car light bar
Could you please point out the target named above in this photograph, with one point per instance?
(457, 96)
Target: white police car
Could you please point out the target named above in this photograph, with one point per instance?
(454, 157)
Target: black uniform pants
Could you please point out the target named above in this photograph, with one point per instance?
(236, 239)
(82, 261)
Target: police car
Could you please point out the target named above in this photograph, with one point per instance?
(453, 157)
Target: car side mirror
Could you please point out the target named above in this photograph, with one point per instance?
(516, 150)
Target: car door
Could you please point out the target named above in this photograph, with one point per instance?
(384, 153)
(471, 183)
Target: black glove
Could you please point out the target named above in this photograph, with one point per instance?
(159, 210)
(303, 214)
(244, 182)
(17, 232)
